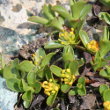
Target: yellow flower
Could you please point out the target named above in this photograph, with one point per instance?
(106, 105)
(67, 77)
(93, 46)
(67, 37)
(68, 70)
(50, 87)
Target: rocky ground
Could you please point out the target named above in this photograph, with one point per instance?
(16, 31)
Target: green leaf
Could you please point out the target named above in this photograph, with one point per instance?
(65, 88)
(56, 70)
(68, 53)
(105, 16)
(47, 11)
(81, 80)
(48, 73)
(14, 84)
(74, 67)
(105, 74)
(106, 95)
(86, 9)
(56, 23)
(62, 12)
(27, 96)
(41, 52)
(52, 45)
(47, 59)
(102, 88)
(26, 104)
(72, 2)
(61, 20)
(10, 70)
(72, 92)
(104, 48)
(76, 9)
(81, 91)
(8, 73)
(51, 99)
(84, 37)
(31, 77)
(26, 66)
(40, 73)
(105, 2)
(26, 87)
(99, 63)
(37, 19)
(37, 87)
(106, 35)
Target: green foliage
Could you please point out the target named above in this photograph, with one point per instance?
(100, 60)
(105, 16)
(106, 95)
(84, 37)
(105, 92)
(65, 88)
(56, 70)
(47, 11)
(79, 11)
(102, 88)
(38, 19)
(26, 66)
(80, 88)
(105, 2)
(68, 54)
(22, 76)
(59, 69)
(51, 99)
(62, 12)
(105, 72)
(53, 44)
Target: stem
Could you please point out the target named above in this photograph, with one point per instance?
(57, 60)
(81, 48)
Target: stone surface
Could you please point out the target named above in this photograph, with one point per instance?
(7, 97)
(15, 12)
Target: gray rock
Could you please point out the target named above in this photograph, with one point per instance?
(1, 19)
(3, 1)
(7, 97)
(11, 41)
(27, 25)
(17, 8)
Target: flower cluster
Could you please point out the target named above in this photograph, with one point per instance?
(106, 105)
(67, 37)
(93, 46)
(67, 77)
(50, 87)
